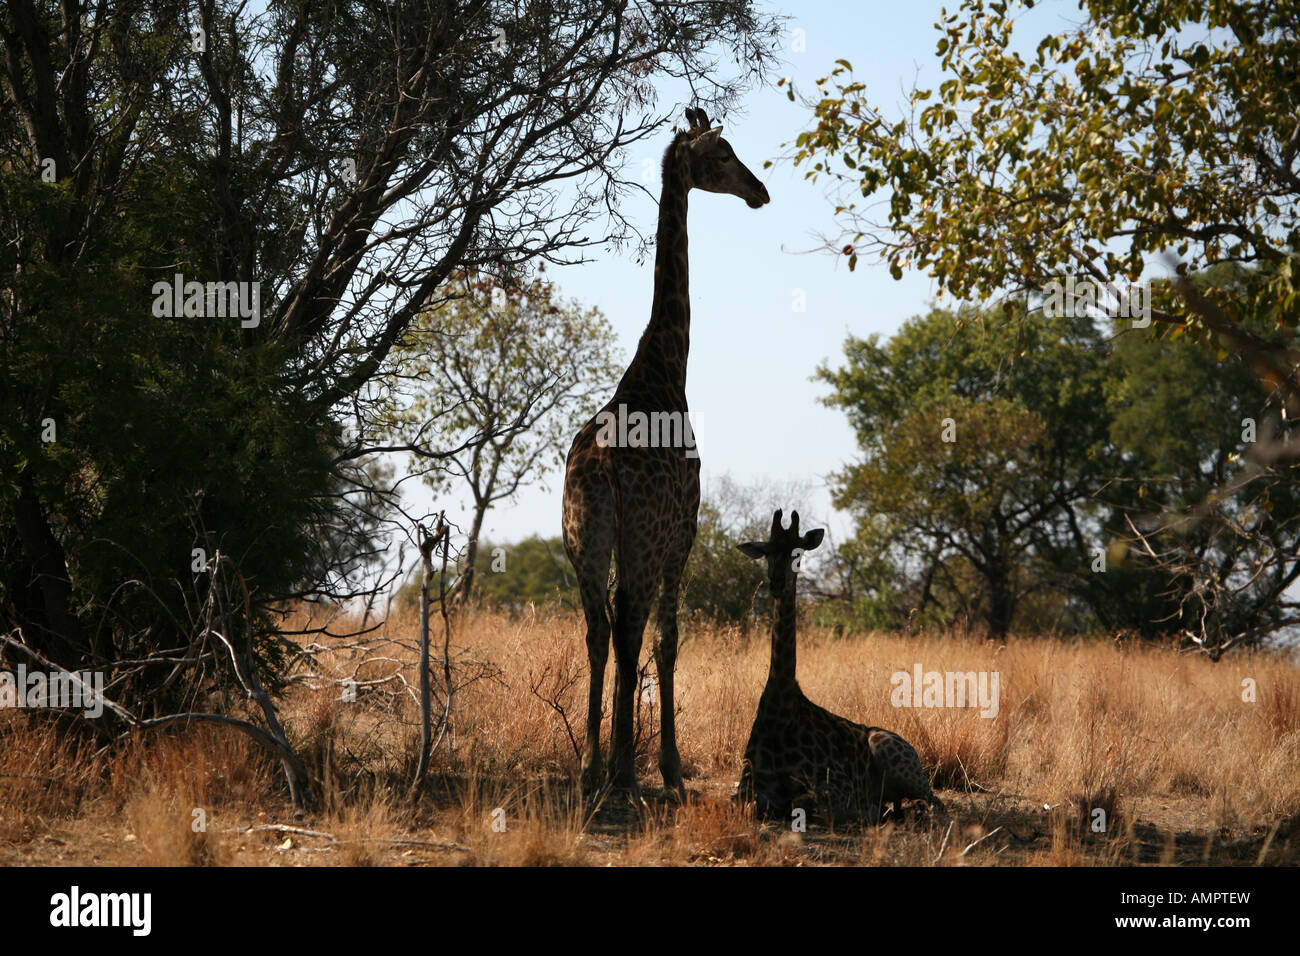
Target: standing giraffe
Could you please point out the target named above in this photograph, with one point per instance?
(637, 500)
(799, 753)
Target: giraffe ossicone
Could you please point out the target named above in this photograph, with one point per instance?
(633, 504)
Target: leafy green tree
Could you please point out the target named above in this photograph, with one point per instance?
(1210, 527)
(862, 586)
(532, 571)
(505, 375)
(1149, 131)
(344, 160)
(982, 445)
(139, 446)
(1153, 128)
(721, 585)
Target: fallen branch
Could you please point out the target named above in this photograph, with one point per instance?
(303, 831)
(979, 841)
(285, 828)
(944, 845)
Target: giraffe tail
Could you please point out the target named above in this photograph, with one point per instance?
(618, 611)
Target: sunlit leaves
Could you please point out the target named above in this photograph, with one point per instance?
(1170, 128)
(511, 368)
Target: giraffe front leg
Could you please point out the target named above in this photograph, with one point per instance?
(629, 627)
(670, 761)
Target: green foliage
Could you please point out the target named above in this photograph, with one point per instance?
(868, 589)
(513, 364)
(170, 434)
(720, 583)
(982, 443)
(501, 378)
(1151, 127)
(1150, 133)
(510, 577)
(1066, 445)
(532, 571)
(1218, 501)
(129, 439)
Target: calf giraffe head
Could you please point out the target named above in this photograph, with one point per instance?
(714, 166)
(782, 549)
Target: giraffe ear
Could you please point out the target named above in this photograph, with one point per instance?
(753, 549)
(813, 538)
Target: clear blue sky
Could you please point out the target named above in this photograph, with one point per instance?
(755, 411)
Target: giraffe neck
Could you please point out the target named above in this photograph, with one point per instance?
(782, 668)
(661, 355)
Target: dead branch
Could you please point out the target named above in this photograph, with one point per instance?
(564, 681)
(972, 846)
(279, 747)
(944, 845)
(429, 542)
(320, 834)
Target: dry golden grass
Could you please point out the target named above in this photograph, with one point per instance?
(1184, 769)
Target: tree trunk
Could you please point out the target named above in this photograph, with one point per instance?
(52, 628)
(427, 544)
(1002, 604)
(466, 584)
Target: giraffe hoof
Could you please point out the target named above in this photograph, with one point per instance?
(611, 796)
(675, 795)
(674, 788)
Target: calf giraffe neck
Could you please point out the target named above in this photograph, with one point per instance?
(781, 667)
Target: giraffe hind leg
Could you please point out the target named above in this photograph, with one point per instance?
(630, 615)
(590, 544)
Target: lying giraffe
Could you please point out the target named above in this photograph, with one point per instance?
(800, 753)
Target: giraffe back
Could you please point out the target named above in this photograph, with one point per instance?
(899, 769)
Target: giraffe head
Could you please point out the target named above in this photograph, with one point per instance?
(781, 549)
(713, 163)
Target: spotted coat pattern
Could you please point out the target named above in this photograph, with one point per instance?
(800, 755)
(900, 770)
(633, 510)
